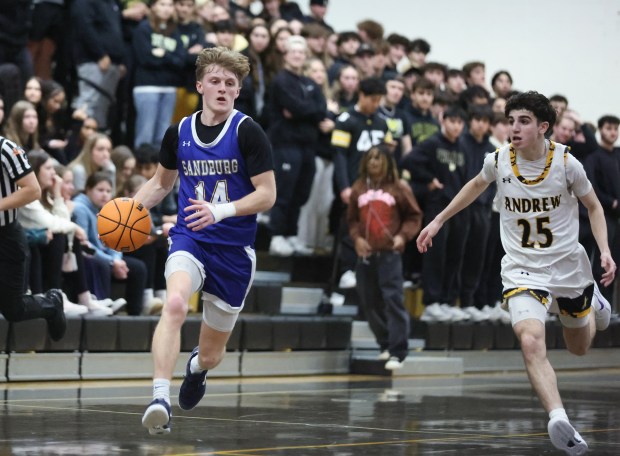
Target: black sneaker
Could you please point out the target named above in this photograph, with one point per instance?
(157, 417)
(193, 387)
(56, 322)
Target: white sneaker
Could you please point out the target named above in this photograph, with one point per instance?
(152, 306)
(262, 218)
(498, 314)
(157, 417)
(487, 311)
(456, 314)
(435, 313)
(299, 247)
(71, 308)
(394, 363)
(118, 304)
(564, 437)
(602, 310)
(475, 314)
(280, 247)
(96, 308)
(347, 280)
(336, 299)
(383, 356)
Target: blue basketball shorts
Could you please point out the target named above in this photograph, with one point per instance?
(228, 270)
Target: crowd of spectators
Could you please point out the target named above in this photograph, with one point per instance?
(88, 88)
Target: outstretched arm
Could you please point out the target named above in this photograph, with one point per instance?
(464, 198)
(599, 230)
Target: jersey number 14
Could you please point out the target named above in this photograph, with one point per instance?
(218, 196)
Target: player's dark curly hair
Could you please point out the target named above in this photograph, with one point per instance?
(536, 103)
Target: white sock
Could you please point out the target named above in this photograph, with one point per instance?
(558, 412)
(161, 389)
(194, 366)
(147, 296)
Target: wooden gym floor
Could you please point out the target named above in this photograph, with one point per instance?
(481, 414)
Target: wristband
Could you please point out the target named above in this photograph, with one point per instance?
(222, 211)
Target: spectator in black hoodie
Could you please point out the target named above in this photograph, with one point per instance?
(603, 169)
(297, 108)
(355, 132)
(98, 51)
(439, 164)
(280, 9)
(160, 59)
(475, 145)
(348, 43)
(15, 61)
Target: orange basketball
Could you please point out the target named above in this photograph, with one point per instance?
(124, 224)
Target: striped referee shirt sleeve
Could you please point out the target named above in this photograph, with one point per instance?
(14, 162)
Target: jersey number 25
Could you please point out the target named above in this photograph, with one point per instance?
(541, 229)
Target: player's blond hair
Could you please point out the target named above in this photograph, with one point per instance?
(233, 61)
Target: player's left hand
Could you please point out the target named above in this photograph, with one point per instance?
(200, 215)
(609, 266)
(425, 238)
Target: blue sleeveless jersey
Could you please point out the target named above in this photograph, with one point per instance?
(217, 173)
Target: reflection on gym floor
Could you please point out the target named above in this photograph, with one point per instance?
(490, 414)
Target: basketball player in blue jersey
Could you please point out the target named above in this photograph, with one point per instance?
(224, 162)
(545, 268)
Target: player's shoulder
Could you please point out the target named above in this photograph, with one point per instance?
(571, 163)
(249, 128)
(248, 123)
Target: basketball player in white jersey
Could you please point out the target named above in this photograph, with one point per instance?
(545, 268)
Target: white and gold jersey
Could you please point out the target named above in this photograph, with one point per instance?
(538, 208)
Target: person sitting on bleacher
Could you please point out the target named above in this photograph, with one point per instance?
(106, 264)
(60, 251)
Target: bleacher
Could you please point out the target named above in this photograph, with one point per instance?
(281, 332)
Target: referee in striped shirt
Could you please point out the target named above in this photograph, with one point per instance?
(18, 187)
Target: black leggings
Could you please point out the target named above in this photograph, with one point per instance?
(46, 264)
(15, 305)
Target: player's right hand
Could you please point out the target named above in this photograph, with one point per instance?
(425, 239)
(609, 267)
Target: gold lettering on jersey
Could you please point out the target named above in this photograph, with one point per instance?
(525, 205)
(209, 167)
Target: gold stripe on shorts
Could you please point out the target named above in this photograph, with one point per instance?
(536, 294)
